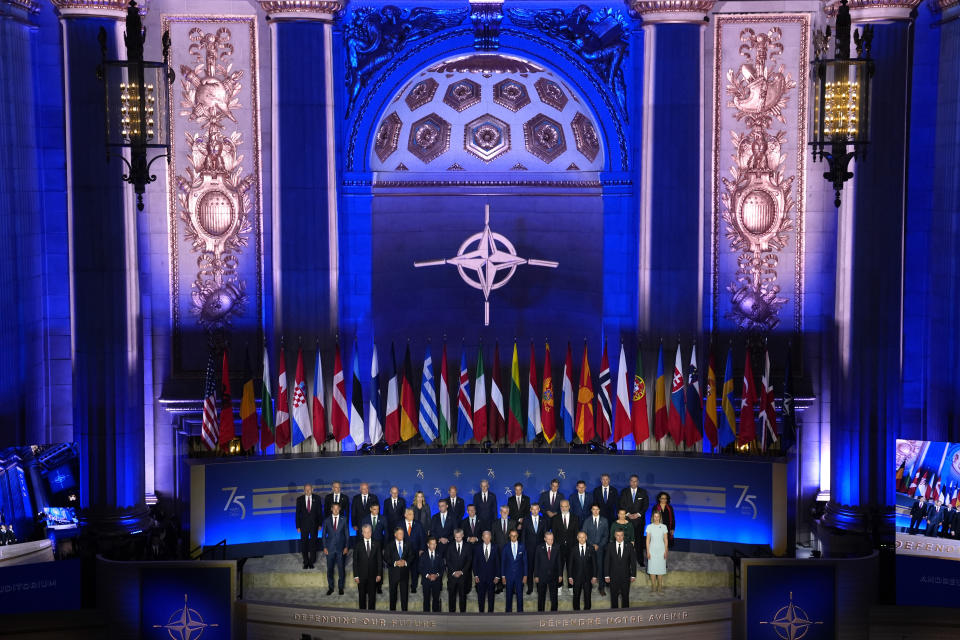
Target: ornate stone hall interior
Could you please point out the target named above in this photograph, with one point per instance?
(368, 318)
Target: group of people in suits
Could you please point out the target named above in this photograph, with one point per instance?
(7, 536)
(936, 519)
(578, 542)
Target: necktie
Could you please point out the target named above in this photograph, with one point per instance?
(443, 519)
(551, 497)
(458, 548)
(336, 499)
(334, 523)
(565, 524)
(409, 527)
(581, 501)
(596, 522)
(431, 557)
(400, 548)
(634, 492)
(535, 520)
(368, 546)
(308, 504)
(364, 500)
(394, 503)
(472, 523)
(548, 553)
(484, 497)
(374, 521)
(514, 545)
(619, 549)
(504, 525)
(486, 552)
(604, 494)
(583, 552)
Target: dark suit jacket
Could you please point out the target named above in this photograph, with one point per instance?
(608, 509)
(521, 511)
(393, 516)
(596, 535)
(308, 521)
(357, 510)
(621, 570)
(390, 556)
(547, 570)
(458, 509)
(425, 567)
(461, 561)
(489, 510)
(635, 506)
(485, 569)
(379, 531)
(473, 532)
(367, 566)
(417, 536)
(546, 505)
(918, 510)
(565, 536)
(513, 568)
(344, 505)
(581, 512)
(439, 531)
(582, 570)
(499, 537)
(531, 539)
(935, 516)
(335, 541)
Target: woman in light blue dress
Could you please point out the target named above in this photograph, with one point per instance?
(656, 533)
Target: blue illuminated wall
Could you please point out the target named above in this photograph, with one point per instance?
(715, 499)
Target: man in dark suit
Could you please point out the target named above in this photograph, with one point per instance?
(956, 524)
(335, 546)
(550, 499)
(397, 555)
(607, 497)
(519, 504)
(472, 525)
(361, 505)
(935, 514)
(486, 503)
(414, 535)
(598, 534)
(501, 528)
(459, 558)
(581, 501)
(635, 501)
(367, 568)
(432, 568)
(532, 536)
(621, 571)
(582, 571)
(442, 526)
(308, 522)
(565, 526)
(547, 572)
(513, 566)
(945, 527)
(486, 571)
(918, 512)
(455, 504)
(376, 523)
(393, 509)
(336, 496)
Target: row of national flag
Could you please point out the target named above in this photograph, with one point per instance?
(928, 486)
(477, 406)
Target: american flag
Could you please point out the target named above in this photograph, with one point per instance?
(211, 430)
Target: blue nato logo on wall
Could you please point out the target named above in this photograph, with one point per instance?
(185, 603)
(255, 501)
(791, 601)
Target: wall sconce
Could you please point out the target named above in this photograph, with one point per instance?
(840, 115)
(136, 100)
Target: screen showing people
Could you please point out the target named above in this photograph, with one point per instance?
(494, 549)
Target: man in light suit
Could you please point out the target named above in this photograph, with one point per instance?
(621, 571)
(416, 537)
(550, 499)
(459, 558)
(547, 572)
(513, 566)
(367, 568)
(308, 521)
(335, 546)
(397, 555)
(607, 497)
(532, 536)
(598, 534)
(393, 509)
(486, 503)
(486, 571)
(582, 571)
(581, 501)
(432, 568)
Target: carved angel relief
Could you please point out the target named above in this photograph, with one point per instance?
(214, 194)
(756, 200)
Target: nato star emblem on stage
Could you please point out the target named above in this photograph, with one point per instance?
(185, 623)
(791, 622)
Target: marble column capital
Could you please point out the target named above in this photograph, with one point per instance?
(94, 8)
(874, 10)
(672, 11)
(319, 10)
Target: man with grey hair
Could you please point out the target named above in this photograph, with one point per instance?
(308, 522)
(367, 568)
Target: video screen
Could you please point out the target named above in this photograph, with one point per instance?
(39, 490)
(928, 522)
(61, 517)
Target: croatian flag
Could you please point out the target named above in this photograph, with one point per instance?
(301, 414)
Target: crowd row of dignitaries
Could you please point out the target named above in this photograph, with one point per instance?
(590, 538)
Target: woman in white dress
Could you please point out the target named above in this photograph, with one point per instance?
(656, 533)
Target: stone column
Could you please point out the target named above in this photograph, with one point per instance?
(671, 231)
(107, 342)
(867, 402)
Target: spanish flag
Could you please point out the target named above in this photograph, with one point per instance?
(408, 404)
(660, 418)
(585, 420)
(515, 416)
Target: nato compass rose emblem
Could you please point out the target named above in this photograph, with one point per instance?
(185, 623)
(791, 622)
(487, 261)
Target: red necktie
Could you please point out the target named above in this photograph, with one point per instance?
(308, 504)
(408, 528)
(548, 553)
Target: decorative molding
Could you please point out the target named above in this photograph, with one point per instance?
(875, 10)
(322, 10)
(946, 5)
(486, 64)
(98, 8)
(486, 16)
(29, 6)
(683, 11)
(572, 184)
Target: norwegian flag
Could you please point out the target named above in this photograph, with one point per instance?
(283, 406)
(604, 419)
(340, 420)
(210, 431)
